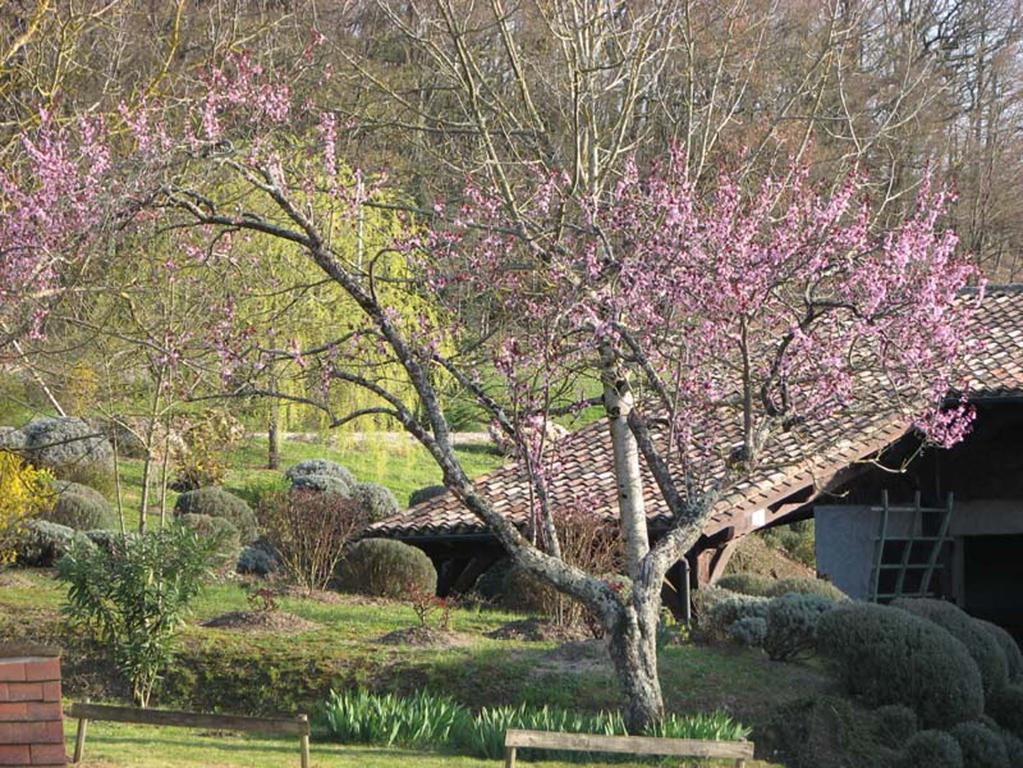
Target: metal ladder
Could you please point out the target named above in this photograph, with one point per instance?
(903, 565)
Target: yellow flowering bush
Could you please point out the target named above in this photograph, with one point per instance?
(24, 492)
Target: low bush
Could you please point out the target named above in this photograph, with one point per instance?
(41, 543)
(889, 656)
(797, 540)
(216, 502)
(256, 561)
(309, 532)
(931, 749)
(730, 609)
(321, 467)
(425, 494)
(746, 584)
(1013, 749)
(1009, 646)
(109, 540)
(376, 501)
(791, 626)
(72, 448)
(896, 724)
(136, 596)
(24, 493)
(384, 568)
(78, 506)
(751, 631)
(805, 586)
(322, 484)
(199, 458)
(981, 747)
(1006, 707)
(985, 650)
(223, 535)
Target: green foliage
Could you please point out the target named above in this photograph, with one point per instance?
(24, 492)
(322, 484)
(384, 568)
(983, 647)
(1013, 749)
(889, 656)
(137, 596)
(425, 720)
(216, 502)
(425, 494)
(376, 501)
(796, 540)
(981, 747)
(256, 561)
(1006, 707)
(931, 749)
(792, 624)
(1009, 646)
(749, 630)
(799, 586)
(109, 540)
(746, 584)
(896, 723)
(41, 543)
(730, 609)
(78, 506)
(219, 530)
(321, 467)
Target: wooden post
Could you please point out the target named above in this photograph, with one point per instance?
(80, 738)
(509, 757)
(740, 763)
(304, 740)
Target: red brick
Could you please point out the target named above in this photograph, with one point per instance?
(44, 710)
(12, 671)
(15, 754)
(50, 732)
(24, 692)
(42, 669)
(48, 754)
(51, 692)
(13, 710)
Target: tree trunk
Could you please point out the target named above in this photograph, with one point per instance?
(633, 649)
(273, 437)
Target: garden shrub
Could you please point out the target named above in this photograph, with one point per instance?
(490, 584)
(24, 493)
(309, 532)
(985, 650)
(896, 723)
(730, 609)
(1009, 646)
(78, 506)
(384, 568)
(746, 584)
(1006, 707)
(889, 656)
(199, 458)
(981, 746)
(791, 627)
(425, 494)
(322, 484)
(109, 540)
(376, 501)
(796, 540)
(256, 561)
(216, 502)
(805, 586)
(1013, 749)
(41, 543)
(221, 531)
(136, 596)
(72, 449)
(320, 467)
(750, 630)
(932, 749)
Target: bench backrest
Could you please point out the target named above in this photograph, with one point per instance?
(629, 745)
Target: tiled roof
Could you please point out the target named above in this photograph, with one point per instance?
(797, 460)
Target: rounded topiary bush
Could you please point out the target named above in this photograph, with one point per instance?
(981, 747)
(490, 584)
(109, 540)
(78, 506)
(731, 608)
(792, 624)
(1006, 707)
(320, 467)
(216, 502)
(376, 501)
(1013, 749)
(219, 528)
(425, 494)
(71, 448)
(803, 586)
(42, 543)
(932, 749)
(256, 561)
(322, 484)
(889, 656)
(896, 723)
(386, 568)
(1009, 646)
(985, 650)
(746, 583)
(750, 630)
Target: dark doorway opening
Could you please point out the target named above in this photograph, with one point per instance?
(992, 580)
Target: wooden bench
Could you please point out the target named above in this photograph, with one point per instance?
(739, 751)
(84, 712)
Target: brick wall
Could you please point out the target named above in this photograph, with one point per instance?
(31, 725)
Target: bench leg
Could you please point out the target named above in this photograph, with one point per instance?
(509, 757)
(304, 742)
(80, 740)
(740, 763)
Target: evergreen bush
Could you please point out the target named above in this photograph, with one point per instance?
(216, 502)
(1006, 707)
(730, 609)
(746, 584)
(78, 506)
(981, 746)
(932, 749)
(226, 542)
(322, 484)
(896, 724)
(1009, 646)
(376, 501)
(792, 624)
(41, 543)
(425, 494)
(385, 568)
(320, 467)
(805, 586)
(750, 630)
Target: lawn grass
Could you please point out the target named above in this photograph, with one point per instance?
(116, 745)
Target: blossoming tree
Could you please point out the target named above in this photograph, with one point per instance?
(756, 307)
